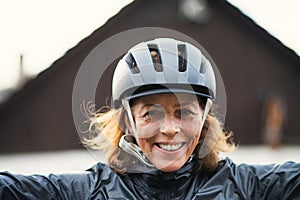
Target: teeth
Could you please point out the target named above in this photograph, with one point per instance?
(170, 147)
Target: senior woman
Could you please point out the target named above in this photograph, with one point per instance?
(162, 139)
(162, 92)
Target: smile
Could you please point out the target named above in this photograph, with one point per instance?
(170, 147)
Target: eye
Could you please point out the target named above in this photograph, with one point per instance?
(184, 113)
(154, 115)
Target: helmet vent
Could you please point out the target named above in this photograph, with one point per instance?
(181, 57)
(203, 66)
(156, 59)
(132, 64)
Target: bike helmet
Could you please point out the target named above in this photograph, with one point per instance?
(161, 65)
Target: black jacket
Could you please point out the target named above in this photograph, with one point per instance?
(230, 181)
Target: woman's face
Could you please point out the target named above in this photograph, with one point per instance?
(167, 128)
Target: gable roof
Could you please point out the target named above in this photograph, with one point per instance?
(233, 12)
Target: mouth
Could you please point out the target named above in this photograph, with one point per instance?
(170, 147)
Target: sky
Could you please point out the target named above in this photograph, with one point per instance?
(279, 17)
(42, 31)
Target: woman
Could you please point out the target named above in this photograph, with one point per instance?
(161, 138)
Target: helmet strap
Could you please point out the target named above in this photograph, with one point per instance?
(125, 103)
(133, 150)
(205, 113)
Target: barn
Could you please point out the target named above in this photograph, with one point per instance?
(256, 68)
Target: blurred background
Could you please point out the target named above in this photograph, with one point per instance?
(255, 45)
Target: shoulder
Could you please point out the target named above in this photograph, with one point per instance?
(101, 176)
(100, 170)
(62, 186)
(273, 181)
(259, 172)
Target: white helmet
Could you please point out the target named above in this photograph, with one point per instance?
(163, 64)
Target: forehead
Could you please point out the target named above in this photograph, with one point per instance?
(168, 99)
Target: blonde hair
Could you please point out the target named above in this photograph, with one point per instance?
(106, 127)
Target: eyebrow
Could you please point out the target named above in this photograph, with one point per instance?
(150, 105)
(184, 104)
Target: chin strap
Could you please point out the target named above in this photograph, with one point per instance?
(126, 105)
(133, 149)
(205, 113)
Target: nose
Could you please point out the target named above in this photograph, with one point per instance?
(170, 125)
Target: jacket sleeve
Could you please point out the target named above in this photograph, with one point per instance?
(63, 186)
(270, 181)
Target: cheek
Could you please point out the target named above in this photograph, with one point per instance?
(146, 130)
(192, 128)
(193, 132)
(144, 144)
(193, 144)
